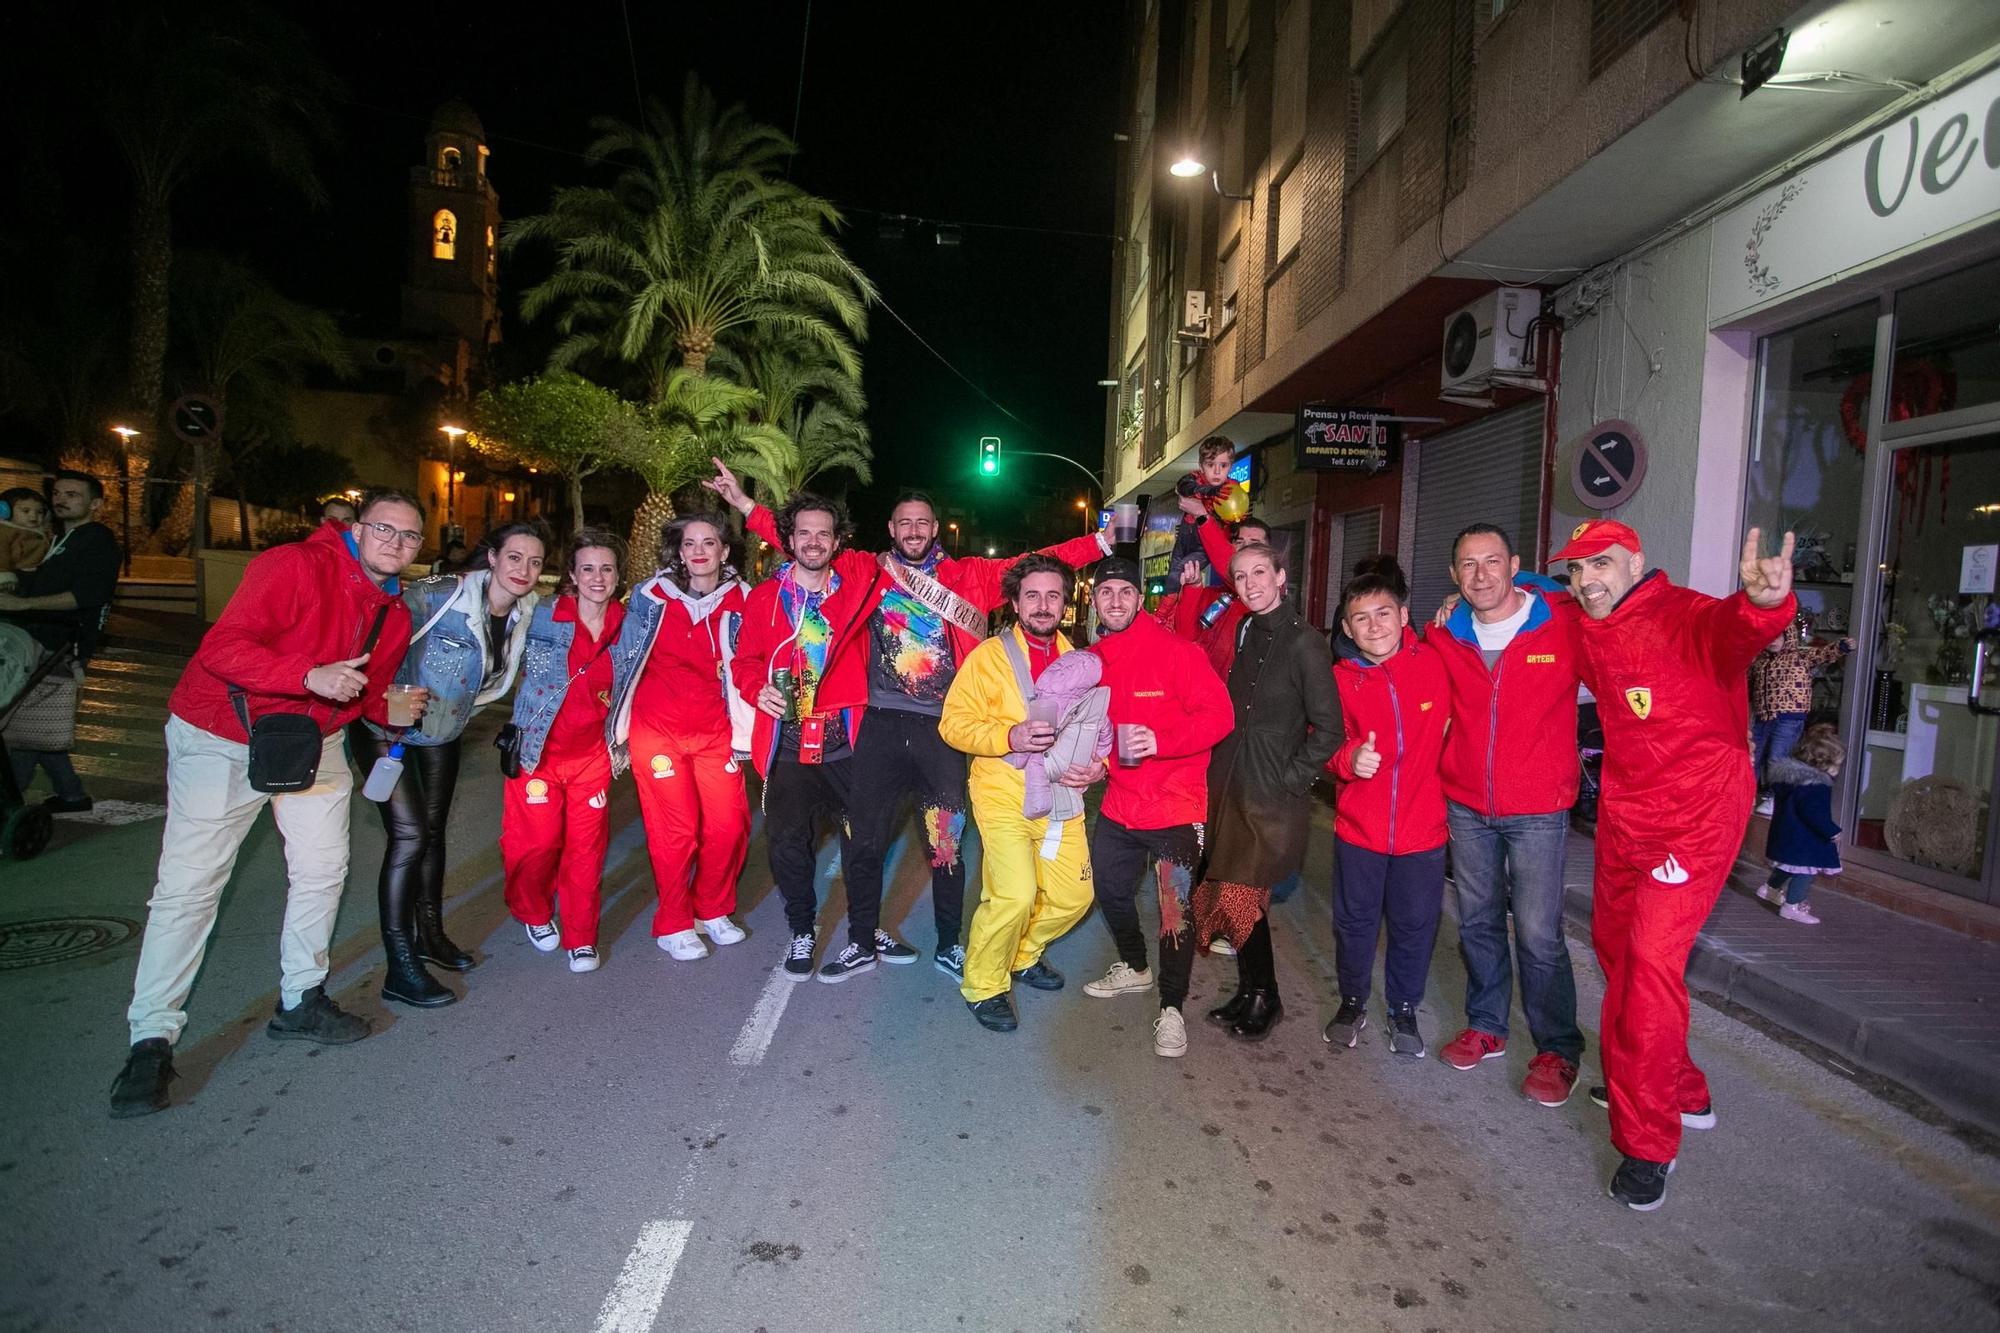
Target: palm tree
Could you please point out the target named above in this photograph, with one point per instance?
(696, 243)
(817, 405)
(244, 344)
(181, 90)
(669, 442)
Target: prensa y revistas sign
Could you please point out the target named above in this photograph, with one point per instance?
(1347, 439)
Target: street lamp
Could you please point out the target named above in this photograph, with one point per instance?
(1188, 167)
(954, 537)
(1084, 509)
(451, 434)
(125, 436)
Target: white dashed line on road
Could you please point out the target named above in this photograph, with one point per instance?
(634, 1302)
(755, 1039)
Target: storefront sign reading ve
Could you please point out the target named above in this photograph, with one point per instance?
(1934, 171)
(1347, 439)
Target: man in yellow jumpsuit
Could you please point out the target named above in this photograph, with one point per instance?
(1034, 881)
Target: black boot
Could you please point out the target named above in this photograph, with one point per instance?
(407, 982)
(1232, 1010)
(1261, 1012)
(433, 945)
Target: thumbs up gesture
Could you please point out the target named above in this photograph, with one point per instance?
(1367, 759)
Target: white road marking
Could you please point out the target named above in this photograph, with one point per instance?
(634, 1302)
(755, 1039)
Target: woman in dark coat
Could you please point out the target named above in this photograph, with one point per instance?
(1260, 779)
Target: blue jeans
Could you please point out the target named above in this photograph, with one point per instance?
(1514, 863)
(55, 763)
(1774, 739)
(1794, 887)
(1373, 889)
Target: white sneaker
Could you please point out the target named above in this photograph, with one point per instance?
(544, 937)
(1221, 947)
(721, 929)
(684, 945)
(1799, 912)
(1170, 1034)
(1764, 806)
(1769, 894)
(1120, 979)
(583, 959)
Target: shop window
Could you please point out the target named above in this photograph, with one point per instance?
(1808, 465)
(1948, 344)
(444, 235)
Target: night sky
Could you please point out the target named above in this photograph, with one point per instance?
(1001, 116)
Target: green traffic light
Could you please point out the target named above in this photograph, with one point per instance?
(989, 455)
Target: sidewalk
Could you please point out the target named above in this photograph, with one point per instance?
(1905, 999)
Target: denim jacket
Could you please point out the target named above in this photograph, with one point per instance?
(545, 679)
(449, 656)
(648, 604)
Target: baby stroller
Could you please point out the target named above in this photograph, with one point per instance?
(24, 828)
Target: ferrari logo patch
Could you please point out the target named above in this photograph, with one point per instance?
(1640, 700)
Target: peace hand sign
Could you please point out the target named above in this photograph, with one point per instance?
(1767, 580)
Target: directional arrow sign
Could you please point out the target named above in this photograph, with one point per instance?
(1610, 464)
(196, 418)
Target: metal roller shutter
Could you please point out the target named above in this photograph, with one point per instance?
(1486, 472)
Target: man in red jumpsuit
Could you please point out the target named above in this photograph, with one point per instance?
(1668, 666)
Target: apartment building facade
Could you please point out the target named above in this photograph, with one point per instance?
(1530, 261)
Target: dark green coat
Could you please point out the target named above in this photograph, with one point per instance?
(1260, 778)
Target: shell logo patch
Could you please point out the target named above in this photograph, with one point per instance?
(1640, 700)
(599, 801)
(537, 792)
(662, 766)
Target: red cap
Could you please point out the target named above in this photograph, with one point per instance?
(1594, 536)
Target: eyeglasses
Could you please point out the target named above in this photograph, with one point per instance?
(402, 537)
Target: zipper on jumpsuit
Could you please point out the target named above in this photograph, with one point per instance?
(1492, 734)
(1395, 769)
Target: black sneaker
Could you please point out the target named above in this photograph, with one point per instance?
(141, 1086)
(1405, 1037)
(846, 963)
(892, 950)
(58, 805)
(1601, 1096)
(1345, 1029)
(1040, 976)
(994, 1013)
(1641, 1185)
(950, 961)
(318, 1019)
(799, 957)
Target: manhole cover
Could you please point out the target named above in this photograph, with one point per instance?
(58, 939)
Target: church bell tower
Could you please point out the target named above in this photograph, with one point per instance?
(452, 288)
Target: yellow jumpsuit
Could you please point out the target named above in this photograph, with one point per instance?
(1034, 877)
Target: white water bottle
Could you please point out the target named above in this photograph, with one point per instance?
(383, 777)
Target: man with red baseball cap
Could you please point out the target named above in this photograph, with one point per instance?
(1668, 666)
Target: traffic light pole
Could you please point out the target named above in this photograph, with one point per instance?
(1065, 458)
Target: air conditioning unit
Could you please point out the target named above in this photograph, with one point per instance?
(1195, 327)
(1489, 337)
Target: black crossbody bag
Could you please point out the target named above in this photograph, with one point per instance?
(285, 747)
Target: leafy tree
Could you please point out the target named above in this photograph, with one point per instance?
(696, 243)
(559, 421)
(245, 344)
(817, 405)
(181, 90)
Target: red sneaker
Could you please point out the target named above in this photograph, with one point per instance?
(1550, 1079)
(1471, 1046)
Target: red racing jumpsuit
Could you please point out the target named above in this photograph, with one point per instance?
(1668, 667)
(691, 795)
(555, 822)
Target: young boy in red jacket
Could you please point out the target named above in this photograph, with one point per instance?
(1389, 825)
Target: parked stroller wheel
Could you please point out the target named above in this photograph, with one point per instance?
(25, 832)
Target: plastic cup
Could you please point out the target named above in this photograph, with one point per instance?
(1125, 522)
(402, 705)
(1128, 735)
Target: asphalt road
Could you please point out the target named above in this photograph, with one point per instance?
(708, 1147)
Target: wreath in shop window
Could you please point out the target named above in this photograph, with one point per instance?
(1921, 388)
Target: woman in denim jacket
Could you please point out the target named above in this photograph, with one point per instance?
(471, 629)
(673, 707)
(555, 823)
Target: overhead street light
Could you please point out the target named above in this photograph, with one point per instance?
(1188, 167)
(451, 475)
